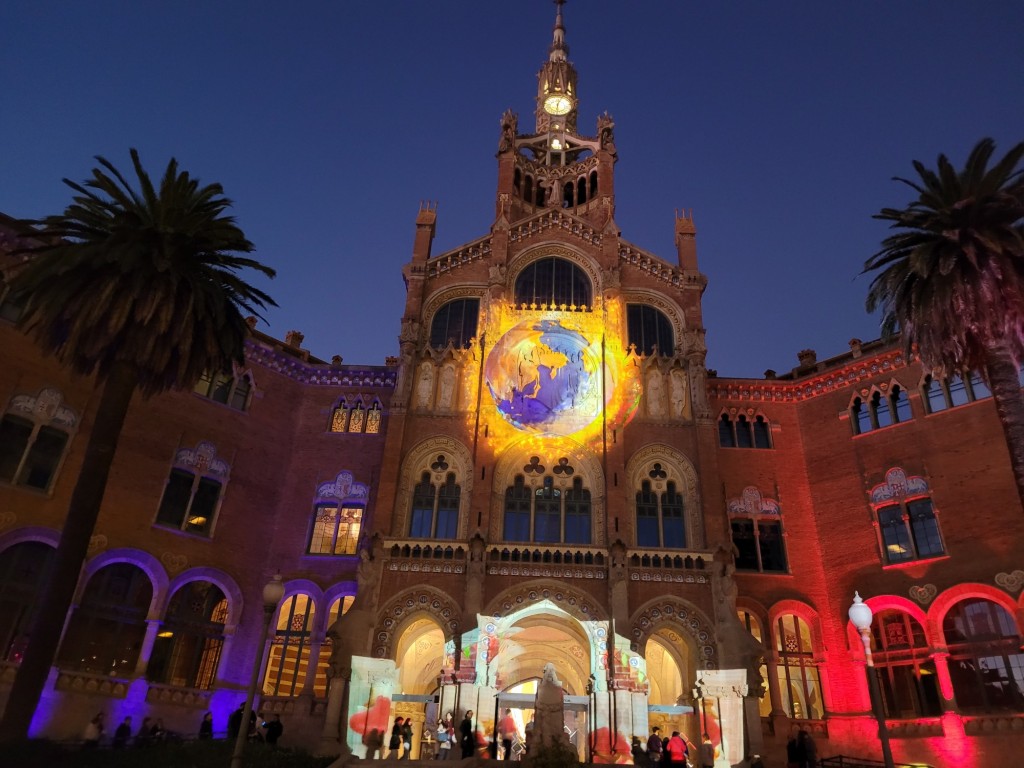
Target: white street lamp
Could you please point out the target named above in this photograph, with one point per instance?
(860, 616)
(273, 591)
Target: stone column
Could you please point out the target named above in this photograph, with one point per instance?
(726, 689)
(315, 646)
(146, 651)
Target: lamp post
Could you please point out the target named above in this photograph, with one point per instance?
(273, 591)
(860, 615)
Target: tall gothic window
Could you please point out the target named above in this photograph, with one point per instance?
(880, 410)
(906, 673)
(290, 647)
(954, 390)
(660, 518)
(799, 682)
(356, 418)
(23, 571)
(548, 513)
(986, 664)
(552, 283)
(106, 630)
(188, 646)
(649, 330)
(455, 323)
(435, 509)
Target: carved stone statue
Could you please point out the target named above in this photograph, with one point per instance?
(509, 127)
(678, 392)
(425, 384)
(655, 394)
(606, 133)
(447, 388)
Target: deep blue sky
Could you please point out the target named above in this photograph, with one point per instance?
(779, 124)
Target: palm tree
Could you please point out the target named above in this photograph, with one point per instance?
(951, 279)
(139, 288)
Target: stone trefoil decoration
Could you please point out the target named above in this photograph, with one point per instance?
(924, 594)
(1011, 582)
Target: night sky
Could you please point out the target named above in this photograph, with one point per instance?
(779, 124)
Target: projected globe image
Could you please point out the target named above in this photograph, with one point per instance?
(545, 378)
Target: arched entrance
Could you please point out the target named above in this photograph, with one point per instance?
(419, 656)
(671, 674)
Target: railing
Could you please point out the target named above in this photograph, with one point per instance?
(841, 761)
(669, 559)
(425, 550)
(547, 555)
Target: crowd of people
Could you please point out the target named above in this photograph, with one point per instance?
(152, 730)
(677, 751)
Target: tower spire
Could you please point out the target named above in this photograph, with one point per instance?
(559, 50)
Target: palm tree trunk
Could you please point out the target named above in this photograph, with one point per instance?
(1005, 385)
(74, 545)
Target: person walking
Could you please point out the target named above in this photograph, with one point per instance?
(806, 745)
(655, 747)
(206, 727)
(406, 739)
(509, 731)
(466, 735)
(706, 753)
(395, 742)
(677, 750)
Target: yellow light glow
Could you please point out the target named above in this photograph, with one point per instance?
(556, 144)
(165, 633)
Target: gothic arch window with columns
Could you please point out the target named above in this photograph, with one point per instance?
(290, 646)
(338, 516)
(234, 391)
(356, 418)
(548, 507)
(906, 672)
(798, 677)
(986, 664)
(34, 434)
(959, 388)
(436, 484)
(880, 407)
(649, 330)
(193, 492)
(455, 323)
(744, 430)
(667, 506)
(757, 532)
(552, 282)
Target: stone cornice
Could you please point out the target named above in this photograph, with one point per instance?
(657, 267)
(811, 386)
(319, 374)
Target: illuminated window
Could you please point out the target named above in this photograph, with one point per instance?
(553, 283)
(193, 491)
(660, 519)
(106, 630)
(233, 391)
(356, 418)
(34, 435)
(753, 626)
(335, 529)
(906, 674)
(187, 648)
(986, 664)
(23, 571)
(288, 661)
(435, 510)
(741, 432)
(322, 682)
(756, 524)
(880, 410)
(958, 389)
(910, 531)
(373, 419)
(549, 513)
(339, 418)
(649, 330)
(455, 323)
(798, 679)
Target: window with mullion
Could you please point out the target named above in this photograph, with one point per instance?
(547, 513)
(517, 511)
(746, 544)
(673, 521)
(986, 665)
(577, 514)
(189, 502)
(799, 681)
(648, 529)
(910, 531)
(448, 497)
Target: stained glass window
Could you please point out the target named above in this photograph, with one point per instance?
(339, 419)
(553, 283)
(288, 660)
(335, 529)
(798, 679)
(356, 418)
(373, 419)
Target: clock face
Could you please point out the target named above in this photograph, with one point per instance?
(557, 105)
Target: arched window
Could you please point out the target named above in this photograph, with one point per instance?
(435, 510)
(756, 524)
(455, 323)
(528, 189)
(193, 490)
(356, 418)
(551, 282)
(107, 628)
(986, 664)
(548, 513)
(373, 417)
(581, 190)
(23, 571)
(906, 673)
(957, 389)
(289, 649)
(234, 391)
(567, 194)
(593, 184)
(339, 417)
(34, 434)
(726, 436)
(799, 682)
(660, 520)
(188, 646)
(517, 179)
(650, 330)
(741, 432)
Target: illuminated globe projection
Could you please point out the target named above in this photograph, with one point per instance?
(546, 378)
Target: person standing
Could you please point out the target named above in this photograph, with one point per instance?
(806, 745)
(122, 734)
(395, 742)
(235, 722)
(466, 735)
(794, 754)
(93, 732)
(677, 751)
(706, 753)
(206, 727)
(274, 729)
(444, 740)
(509, 731)
(654, 746)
